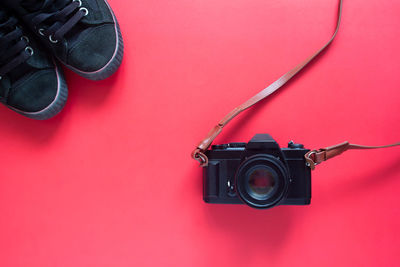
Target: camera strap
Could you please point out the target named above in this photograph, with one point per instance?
(313, 157)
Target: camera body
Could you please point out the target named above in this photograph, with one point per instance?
(259, 174)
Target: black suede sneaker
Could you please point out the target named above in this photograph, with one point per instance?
(30, 82)
(83, 34)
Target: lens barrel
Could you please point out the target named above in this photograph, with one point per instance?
(262, 181)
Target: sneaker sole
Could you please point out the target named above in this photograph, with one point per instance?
(56, 106)
(111, 67)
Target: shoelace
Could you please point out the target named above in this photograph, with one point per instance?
(14, 48)
(60, 16)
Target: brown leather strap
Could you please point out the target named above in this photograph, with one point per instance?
(198, 153)
(315, 157)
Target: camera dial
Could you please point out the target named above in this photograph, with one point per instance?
(294, 145)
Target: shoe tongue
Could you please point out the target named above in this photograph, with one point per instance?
(3, 18)
(32, 5)
(48, 5)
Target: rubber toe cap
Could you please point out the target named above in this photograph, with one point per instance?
(94, 50)
(35, 93)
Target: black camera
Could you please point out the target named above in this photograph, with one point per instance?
(259, 174)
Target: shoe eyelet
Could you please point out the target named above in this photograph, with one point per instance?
(41, 32)
(79, 2)
(85, 10)
(29, 50)
(25, 38)
(54, 41)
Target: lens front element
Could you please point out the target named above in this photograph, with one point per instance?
(262, 181)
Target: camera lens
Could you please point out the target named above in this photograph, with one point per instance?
(262, 181)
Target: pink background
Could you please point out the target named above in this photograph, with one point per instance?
(110, 181)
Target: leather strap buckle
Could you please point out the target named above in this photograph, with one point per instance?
(198, 155)
(309, 159)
